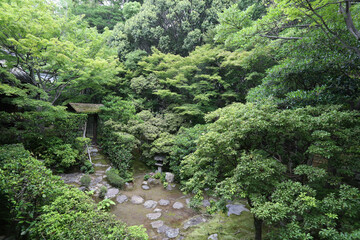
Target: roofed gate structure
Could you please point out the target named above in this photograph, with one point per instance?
(92, 110)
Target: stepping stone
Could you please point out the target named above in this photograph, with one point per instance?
(157, 224)
(111, 192)
(137, 199)
(157, 210)
(236, 209)
(150, 204)
(153, 216)
(172, 232)
(145, 187)
(122, 199)
(206, 203)
(163, 229)
(164, 202)
(194, 221)
(178, 205)
(213, 236)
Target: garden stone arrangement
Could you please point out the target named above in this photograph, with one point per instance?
(164, 213)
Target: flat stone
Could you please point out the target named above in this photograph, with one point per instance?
(157, 210)
(137, 199)
(178, 205)
(163, 229)
(206, 203)
(172, 232)
(111, 192)
(122, 198)
(145, 187)
(150, 204)
(236, 209)
(213, 236)
(194, 221)
(157, 224)
(164, 202)
(153, 216)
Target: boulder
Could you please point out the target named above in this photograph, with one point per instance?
(178, 205)
(150, 204)
(169, 177)
(236, 209)
(164, 202)
(122, 198)
(153, 216)
(153, 181)
(137, 199)
(157, 224)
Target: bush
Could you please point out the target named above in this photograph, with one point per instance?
(105, 204)
(146, 177)
(157, 175)
(114, 179)
(87, 167)
(50, 209)
(85, 181)
(103, 191)
(61, 156)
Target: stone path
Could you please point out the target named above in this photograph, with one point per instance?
(160, 214)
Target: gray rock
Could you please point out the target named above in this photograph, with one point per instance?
(164, 202)
(206, 203)
(178, 205)
(163, 229)
(145, 187)
(187, 201)
(194, 221)
(236, 209)
(180, 238)
(153, 181)
(153, 216)
(83, 188)
(150, 204)
(213, 236)
(172, 232)
(157, 224)
(137, 199)
(169, 187)
(111, 192)
(169, 177)
(122, 198)
(157, 210)
(144, 183)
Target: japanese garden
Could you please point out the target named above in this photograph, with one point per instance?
(180, 119)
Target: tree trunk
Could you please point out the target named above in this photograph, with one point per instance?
(258, 228)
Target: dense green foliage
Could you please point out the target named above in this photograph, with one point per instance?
(44, 207)
(255, 100)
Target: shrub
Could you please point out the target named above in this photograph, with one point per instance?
(85, 180)
(103, 191)
(61, 157)
(105, 204)
(157, 175)
(146, 177)
(50, 209)
(165, 184)
(87, 167)
(114, 179)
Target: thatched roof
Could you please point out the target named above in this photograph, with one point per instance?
(85, 107)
